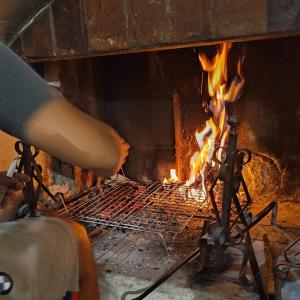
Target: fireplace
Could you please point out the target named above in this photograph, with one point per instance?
(144, 221)
(147, 97)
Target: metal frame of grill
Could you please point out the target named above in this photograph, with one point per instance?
(165, 210)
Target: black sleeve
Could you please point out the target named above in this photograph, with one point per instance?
(22, 91)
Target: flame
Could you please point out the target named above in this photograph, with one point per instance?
(216, 68)
(215, 132)
(173, 177)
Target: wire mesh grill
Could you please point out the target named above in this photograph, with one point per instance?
(157, 208)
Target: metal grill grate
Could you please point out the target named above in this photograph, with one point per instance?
(162, 209)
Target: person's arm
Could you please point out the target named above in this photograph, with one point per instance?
(41, 116)
(66, 132)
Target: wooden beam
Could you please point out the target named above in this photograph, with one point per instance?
(87, 28)
(178, 135)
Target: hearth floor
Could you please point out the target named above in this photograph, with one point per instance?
(132, 261)
(128, 261)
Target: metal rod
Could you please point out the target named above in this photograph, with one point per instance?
(229, 176)
(44, 188)
(248, 202)
(213, 201)
(256, 220)
(252, 258)
(28, 22)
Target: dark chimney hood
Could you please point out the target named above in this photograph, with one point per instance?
(84, 28)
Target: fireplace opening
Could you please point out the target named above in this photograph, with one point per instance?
(158, 101)
(148, 96)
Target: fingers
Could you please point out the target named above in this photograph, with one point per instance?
(124, 154)
(22, 177)
(123, 146)
(8, 181)
(126, 146)
(17, 187)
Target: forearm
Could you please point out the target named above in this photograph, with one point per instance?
(75, 137)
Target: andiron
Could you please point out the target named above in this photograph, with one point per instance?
(228, 230)
(29, 166)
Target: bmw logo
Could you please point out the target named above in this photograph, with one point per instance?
(6, 283)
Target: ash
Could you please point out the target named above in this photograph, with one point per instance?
(142, 254)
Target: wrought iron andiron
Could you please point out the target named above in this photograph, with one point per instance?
(29, 166)
(220, 232)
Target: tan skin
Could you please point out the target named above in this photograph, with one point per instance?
(87, 276)
(13, 197)
(64, 131)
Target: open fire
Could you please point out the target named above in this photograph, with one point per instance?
(216, 130)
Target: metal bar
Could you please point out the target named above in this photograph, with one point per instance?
(228, 178)
(213, 202)
(44, 188)
(252, 258)
(270, 263)
(248, 202)
(28, 22)
(257, 218)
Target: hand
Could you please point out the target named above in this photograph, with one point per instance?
(14, 185)
(123, 150)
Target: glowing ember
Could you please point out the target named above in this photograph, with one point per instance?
(216, 130)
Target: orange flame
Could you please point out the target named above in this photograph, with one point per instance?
(173, 177)
(216, 129)
(216, 68)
